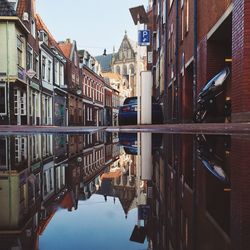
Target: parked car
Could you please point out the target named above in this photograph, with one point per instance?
(128, 112)
(206, 100)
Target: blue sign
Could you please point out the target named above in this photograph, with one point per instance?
(144, 37)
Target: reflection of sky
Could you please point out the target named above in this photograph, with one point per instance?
(96, 224)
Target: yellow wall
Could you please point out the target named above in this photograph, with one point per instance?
(12, 44)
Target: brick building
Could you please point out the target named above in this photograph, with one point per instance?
(92, 89)
(73, 82)
(191, 42)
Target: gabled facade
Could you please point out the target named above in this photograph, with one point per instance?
(73, 82)
(125, 62)
(47, 68)
(13, 86)
(26, 11)
(92, 89)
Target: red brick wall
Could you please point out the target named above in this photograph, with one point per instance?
(209, 12)
(241, 61)
(240, 185)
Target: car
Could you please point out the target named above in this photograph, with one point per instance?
(129, 142)
(128, 112)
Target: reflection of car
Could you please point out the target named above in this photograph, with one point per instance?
(208, 95)
(128, 112)
(129, 142)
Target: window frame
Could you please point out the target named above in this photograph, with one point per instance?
(5, 99)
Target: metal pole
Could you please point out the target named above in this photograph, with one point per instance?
(165, 63)
(195, 55)
(138, 77)
(8, 80)
(176, 87)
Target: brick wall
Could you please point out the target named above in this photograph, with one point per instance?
(241, 61)
(240, 184)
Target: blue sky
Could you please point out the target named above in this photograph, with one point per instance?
(94, 24)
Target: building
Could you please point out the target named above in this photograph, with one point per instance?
(13, 85)
(191, 43)
(125, 62)
(73, 83)
(53, 63)
(93, 86)
(26, 11)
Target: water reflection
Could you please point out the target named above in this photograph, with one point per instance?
(131, 191)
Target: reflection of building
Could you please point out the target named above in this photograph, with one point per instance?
(190, 205)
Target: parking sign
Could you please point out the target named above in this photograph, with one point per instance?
(144, 37)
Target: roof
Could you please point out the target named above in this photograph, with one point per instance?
(112, 76)
(105, 62)
(21, 7)
(66, 48)
(6, 9)
(42, 26)
(133, 44)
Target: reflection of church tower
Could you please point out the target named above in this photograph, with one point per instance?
(124, 63)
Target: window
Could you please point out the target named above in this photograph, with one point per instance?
(43, 67)
(19, 102)
(29, 57)
(124, 70)
(61, 78)
(186, 15)
(2, 99)
(56, 72)
(131, 69)
(49, 71)
(182, 20)
(36, 65)
(33, 28)
(19, 52)
(118, 69)
(75, 58)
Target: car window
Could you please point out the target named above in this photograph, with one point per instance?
(130, 100)
(133, 100)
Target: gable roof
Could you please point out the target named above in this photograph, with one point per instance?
(66, 48)
(22, 7)
(6, 9)
(42, 26)
(105, 61)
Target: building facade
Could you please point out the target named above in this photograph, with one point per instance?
(191, 43)
(13, 85)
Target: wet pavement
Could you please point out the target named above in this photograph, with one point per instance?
(126, 191)
(209, 128)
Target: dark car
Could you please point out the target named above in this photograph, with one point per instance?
(207, 97)
(129, 142)
(128, 112)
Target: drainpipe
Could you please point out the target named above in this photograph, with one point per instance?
(176, 87)
(195, 55)
(194, 201)
(8, 73)
(166, 60)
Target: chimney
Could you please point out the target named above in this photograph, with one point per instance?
(68, 40)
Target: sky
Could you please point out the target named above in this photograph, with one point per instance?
(94, 24)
